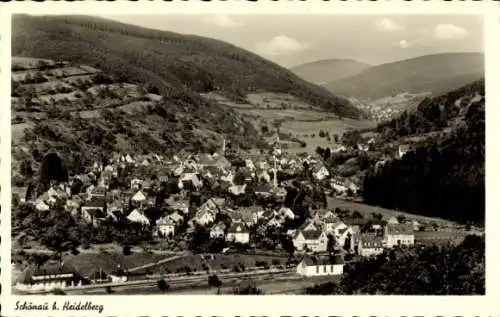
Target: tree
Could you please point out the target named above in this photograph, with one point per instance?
(163, 285)
(239, 178)
(330, 245)
(357, 215)
(26, 169)
(127, 250)
(214, 281)
(52, 168)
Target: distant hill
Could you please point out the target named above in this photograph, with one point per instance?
(444, 177)
(323, 71)
(173, 65)
(432, 73)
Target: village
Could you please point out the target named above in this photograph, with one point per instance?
(207, 204)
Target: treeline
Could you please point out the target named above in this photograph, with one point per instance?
(177, 66)
(443, 179)
(433, 270)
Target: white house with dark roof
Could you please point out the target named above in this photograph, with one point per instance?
(165, 226)
(321, 265)
(94, 210)
(48, 277)
(399, 234)
(368, 244)
(314, 240)
(238, 232)
(218, 230)
(138, 217)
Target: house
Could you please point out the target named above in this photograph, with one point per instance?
(165, 226)
(116, 206)
(314, 240)
(264, 177)
(93, 210)
(286, 213)
(238, 189)
(338, 186)
(138, 217)
(190, 180)
(368, 244)
(98, 192)
(393, 221)
(238, 232)
(205, 217)
(218, 231)
(279, 192)
(399, 234)
(41, 205)
(181, 206)
(322, 173)
(138, 199)
(249, 164)
(321, 265)
(263, 191)
(49, 276)
(402, 150)
(330, 222)
(175, 217)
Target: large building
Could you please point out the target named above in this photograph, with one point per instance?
(321, 265)
(399, 234)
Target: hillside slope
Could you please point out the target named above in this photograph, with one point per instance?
(85, 114)
(323, 71)
(445, 176)
(432, 73)
(173, 65)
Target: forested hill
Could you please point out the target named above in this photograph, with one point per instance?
(434, 74)
(444, 177)
(174, 65)
(444, 112)
(323, 71)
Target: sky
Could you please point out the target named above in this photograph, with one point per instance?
(291, 40)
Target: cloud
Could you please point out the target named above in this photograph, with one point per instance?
(450, 32)
(221, 20)
(388, 25)
(280, 45)
(403, 44)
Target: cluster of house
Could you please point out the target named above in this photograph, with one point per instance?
(97, 202)
(365, 237)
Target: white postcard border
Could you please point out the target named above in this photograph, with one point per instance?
(212, 305)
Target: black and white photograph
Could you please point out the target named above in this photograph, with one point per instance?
(247, 154)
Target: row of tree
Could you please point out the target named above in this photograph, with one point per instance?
(433, 270)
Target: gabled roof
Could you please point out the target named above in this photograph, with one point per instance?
(97, 213)
(309, 234)
(402, 228)
(47, 269)
(98, 191)
(139, 196)
(238, 227)
(95, 202)
(323, 260)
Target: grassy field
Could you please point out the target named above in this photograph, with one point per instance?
(367, 210)
(221, 261)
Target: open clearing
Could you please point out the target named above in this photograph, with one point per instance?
(367, 210)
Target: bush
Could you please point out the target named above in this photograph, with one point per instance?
(214, 281)
(127, 250)
(163, 285)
